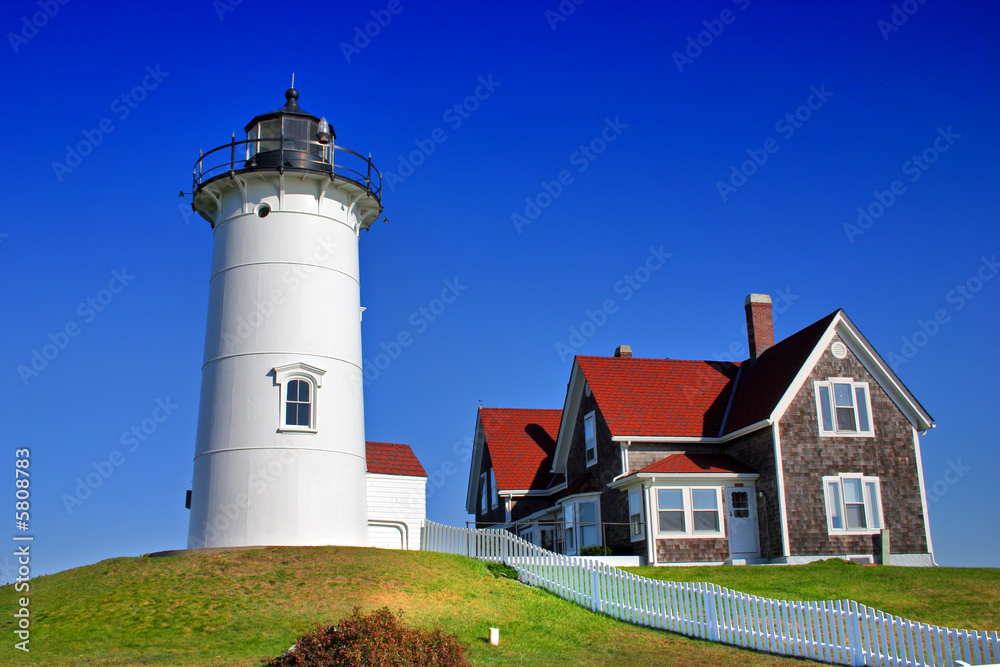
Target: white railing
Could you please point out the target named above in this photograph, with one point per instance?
(841, 632)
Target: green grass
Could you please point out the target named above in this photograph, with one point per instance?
(236, 608)
(967, 598)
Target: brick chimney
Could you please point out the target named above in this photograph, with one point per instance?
(760, 327)
(623, 352)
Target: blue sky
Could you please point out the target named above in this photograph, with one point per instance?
(538, 156)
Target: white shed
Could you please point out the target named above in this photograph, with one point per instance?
(397, 501)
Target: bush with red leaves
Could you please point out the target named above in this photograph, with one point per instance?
(378, 639)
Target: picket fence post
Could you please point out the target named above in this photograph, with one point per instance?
(711, 617)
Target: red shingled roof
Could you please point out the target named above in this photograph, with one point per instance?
(656, 397)
(763, 382)
(698, 463)
(386, 458)
(521, 444)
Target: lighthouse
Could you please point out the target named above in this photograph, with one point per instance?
(280, 446)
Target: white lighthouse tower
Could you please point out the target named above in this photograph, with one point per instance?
(280, 452)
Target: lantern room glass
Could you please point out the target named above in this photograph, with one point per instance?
(300, 134)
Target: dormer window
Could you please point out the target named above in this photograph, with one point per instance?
(844, 407)
(297, 390)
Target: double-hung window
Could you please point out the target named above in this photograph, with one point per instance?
(483, 493)
(298, 403)
(590, 534)
(844, 407)
(689, 512)
(853, 504)
(494, 498)
(590, 439)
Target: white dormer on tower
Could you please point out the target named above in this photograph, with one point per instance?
(280, 451)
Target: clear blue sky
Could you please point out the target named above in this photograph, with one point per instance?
(829, 105)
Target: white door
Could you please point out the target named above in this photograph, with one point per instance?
(742, 517)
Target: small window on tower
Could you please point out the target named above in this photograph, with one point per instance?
(298, 404)
(298, 386)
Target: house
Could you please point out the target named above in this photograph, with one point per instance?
(809, 449)
(396, 496)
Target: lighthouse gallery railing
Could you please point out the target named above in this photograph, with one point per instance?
(337, 161)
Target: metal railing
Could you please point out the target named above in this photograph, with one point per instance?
(520, 526)
(354, 167)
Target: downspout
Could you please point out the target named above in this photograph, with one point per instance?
(623, 450)
(650, 539)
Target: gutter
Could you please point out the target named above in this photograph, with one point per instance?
(694, 439)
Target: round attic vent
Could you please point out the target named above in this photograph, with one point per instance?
(838, 349)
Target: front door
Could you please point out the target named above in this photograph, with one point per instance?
(742, 521)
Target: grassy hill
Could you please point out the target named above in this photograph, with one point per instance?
(236, 608)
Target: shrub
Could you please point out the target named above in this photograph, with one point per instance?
(595, 551)
(502, 571)
(378, 639)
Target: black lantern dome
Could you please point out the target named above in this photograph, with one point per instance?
(288, 137)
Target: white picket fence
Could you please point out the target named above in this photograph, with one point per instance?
(840, 632)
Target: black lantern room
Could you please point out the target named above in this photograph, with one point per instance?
(284, 139)
(289, 137)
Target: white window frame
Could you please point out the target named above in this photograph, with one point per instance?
(859, 416)
(836, 507)
(687, 496)
(494, 496)
(590, 444)
(298, 371)
(637, 526)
